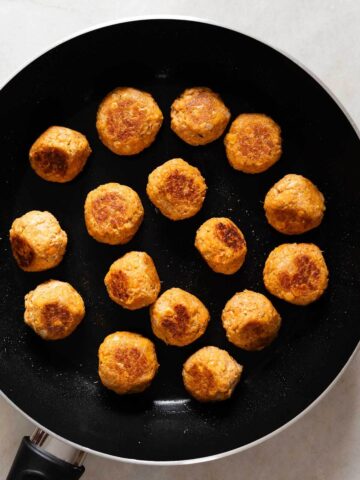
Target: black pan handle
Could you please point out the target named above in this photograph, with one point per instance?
(34, 463)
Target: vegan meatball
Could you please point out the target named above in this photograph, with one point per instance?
(199, 116)
(253, 143)
(127, 362)
(211, 374)
(113, 213)
(178, 317)
(59, 154)
(37, 241)
(53, 310)
(132, 281)
(177, 189)
(296, 272)
(294, 205)
(250, 320)
(128, 120)
(221, 244)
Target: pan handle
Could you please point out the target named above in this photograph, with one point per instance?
(34, 461)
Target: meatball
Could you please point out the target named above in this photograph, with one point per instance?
(128, 120)
(113, 213)
(253, 143)
(296, 272)
(59, 154)
(178, 317)
(53, 310)
(294, 205)
(199, 116)
(133, 281)
(127, 362)
(221, 244)
(37, 241)
(177, 189)
(250, 320)
(211, 374)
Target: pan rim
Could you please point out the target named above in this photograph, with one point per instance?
(352, 356)
(192, 461)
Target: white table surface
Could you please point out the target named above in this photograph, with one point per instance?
(324, 36)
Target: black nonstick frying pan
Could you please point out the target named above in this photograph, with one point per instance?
(56, 383)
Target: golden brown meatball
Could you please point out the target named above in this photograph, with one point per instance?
(296, 272)
(177, 189)
(199, 116)
(37, 241)
(59, 154)
(211, 374)
(178, 317)
(221, 244)
(127, 362)
(132, 281)
(113, 213)
(250, 320)
(253, 143)
(294, 205)
(128, 120)
(53, 310)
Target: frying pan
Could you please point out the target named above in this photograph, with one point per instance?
(56, 383)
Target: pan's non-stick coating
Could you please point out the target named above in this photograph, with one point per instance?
(57, 383)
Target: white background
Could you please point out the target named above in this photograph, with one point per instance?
(324, 36)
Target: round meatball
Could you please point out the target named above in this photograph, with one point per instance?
(177, 189)
(253, 143)
(127, 362)
(113, 213)
(199, 116)
(128, 120)
(53, 310)
(59, 154)
(221, 244)
(178, 317)
(296, 272)
(133, 281)
(294, 205)
(37, 241)
(211, 374)
(250, 320)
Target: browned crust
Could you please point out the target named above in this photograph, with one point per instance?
(257, 332)
(177, 189)
(22, 251)
(51, 161)
(120, 124)
(128, 120)
(109, 207)
(262, 144)
(127, 362)
(133, 361)
(253, 143)
(177, 324)
(55, 318)
(296, 272)
(200, 381)
(118, 285)
(181, 187)
(306, 277)
(229, 234)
